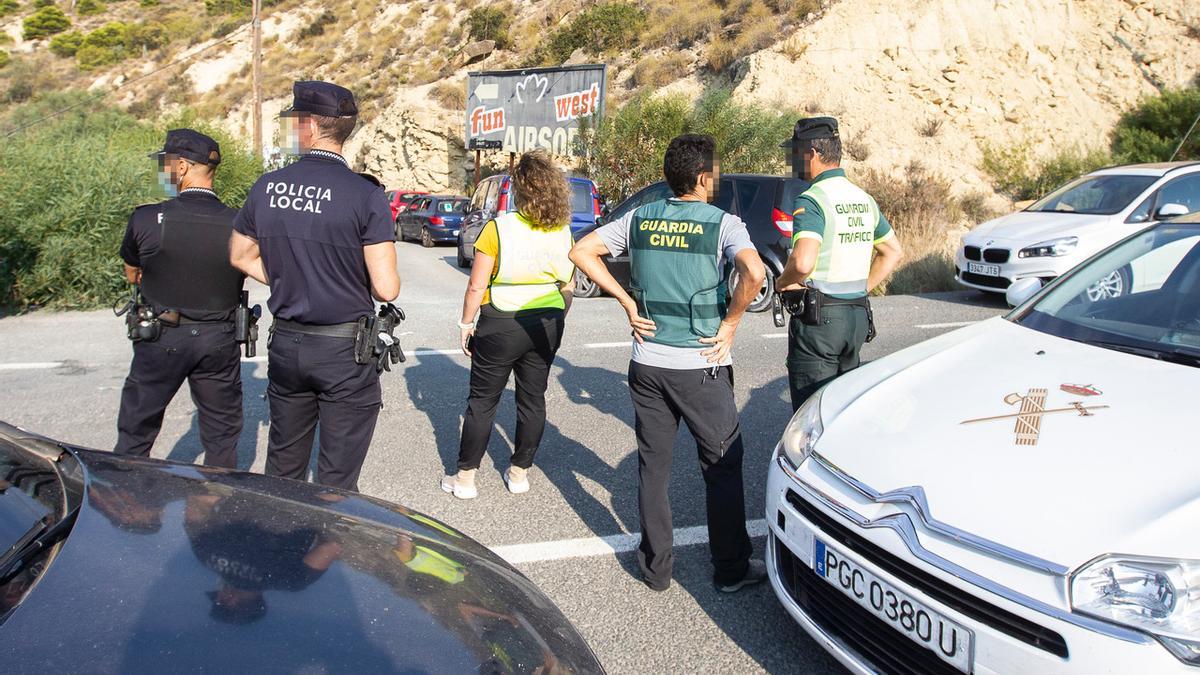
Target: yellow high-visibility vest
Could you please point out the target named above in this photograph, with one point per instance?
(531, 263)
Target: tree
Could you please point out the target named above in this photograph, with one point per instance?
(1151, 131)
(45, 22)
(66, 44)
(489, 23)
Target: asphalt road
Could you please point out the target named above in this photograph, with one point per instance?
(61, 375)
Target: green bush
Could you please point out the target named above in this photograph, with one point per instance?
(89, 7)
(233, 6)
(103, 47)
(1016, 174)
(45, 22)
(603, 28)
(149, 3)
(8, 7)
(317, 27)
(5, 59)
(147, 35)
(1150, 132)
(43, 3)
(490, 23)
(624, 153)
(69, 186)
(66, 44)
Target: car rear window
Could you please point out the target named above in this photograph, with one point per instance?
(456, 206)
(581, 198)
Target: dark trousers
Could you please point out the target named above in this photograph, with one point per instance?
(204, 355)
(504, 345)
(661, 397)
(817, 354)
(314, 378)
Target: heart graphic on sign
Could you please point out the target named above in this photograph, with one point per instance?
(535, 83)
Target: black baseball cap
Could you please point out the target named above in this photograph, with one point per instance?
(810, 128)
(190, 145)
(322, 98)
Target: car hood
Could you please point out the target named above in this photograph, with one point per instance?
(1031, 227)
(1120, 480)
(175, 567)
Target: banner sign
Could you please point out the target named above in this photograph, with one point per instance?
(533, 108)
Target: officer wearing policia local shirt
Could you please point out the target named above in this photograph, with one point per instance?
(842, 248)
(683, 331)
(177, 251)
(321, 236)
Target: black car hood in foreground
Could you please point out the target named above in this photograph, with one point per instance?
(174, 567)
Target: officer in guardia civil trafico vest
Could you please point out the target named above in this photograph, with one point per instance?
(842, 248)
(681, 367)
(181, 318)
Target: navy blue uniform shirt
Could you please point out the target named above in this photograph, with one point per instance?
(143, 234)
(311, 220)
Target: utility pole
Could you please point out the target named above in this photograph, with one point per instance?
(256, 60)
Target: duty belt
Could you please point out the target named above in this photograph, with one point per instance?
(337, 330)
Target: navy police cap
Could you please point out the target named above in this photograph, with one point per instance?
(191, 145)
(810, 128)
(322, 98)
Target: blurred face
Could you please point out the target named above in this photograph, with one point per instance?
(296, 133)
(801, 158)
(710, 180)
(170, 170)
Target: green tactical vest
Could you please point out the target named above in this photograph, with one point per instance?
(851, 216)
(673, 247)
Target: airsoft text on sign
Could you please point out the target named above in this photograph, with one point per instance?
(534, 108)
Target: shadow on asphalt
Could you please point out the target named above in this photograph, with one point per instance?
(255, 421)
(452, 261)
(968, 298)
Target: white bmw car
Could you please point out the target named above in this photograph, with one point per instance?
(1018, 496)
(1075, 221)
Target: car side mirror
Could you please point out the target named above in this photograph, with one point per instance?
(1170, 210)
(1022, 290)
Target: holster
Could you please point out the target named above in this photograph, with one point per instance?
(142, 323)
(375, 339)
(804, 303)
(245, 325)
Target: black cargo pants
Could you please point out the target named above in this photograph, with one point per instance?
(661, 397)
(206, 356)
(817, 354)
(311, 379)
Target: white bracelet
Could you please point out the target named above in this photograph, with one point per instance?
(466, 326)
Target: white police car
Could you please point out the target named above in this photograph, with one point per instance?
(1019, 496)
(1075, 221)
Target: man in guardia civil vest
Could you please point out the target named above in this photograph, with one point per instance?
(680, 250)
(842, 248)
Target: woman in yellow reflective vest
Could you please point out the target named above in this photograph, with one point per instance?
(521, 288)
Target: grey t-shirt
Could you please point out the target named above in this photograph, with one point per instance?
(733, 239)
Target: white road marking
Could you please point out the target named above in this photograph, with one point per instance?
(564, 549)
(771, 336)
(607, 345)
(33, 365)
(950, 324)
(254, 359)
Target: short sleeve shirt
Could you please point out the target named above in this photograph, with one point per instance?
(808, 220)
(311, 220)
(734, 238)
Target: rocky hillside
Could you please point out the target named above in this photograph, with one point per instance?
(932, 80)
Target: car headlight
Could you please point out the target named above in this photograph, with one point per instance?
(1160, 596)
(1050, 249)
(801, 434)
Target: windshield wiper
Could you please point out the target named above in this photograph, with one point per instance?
(39, 537)
(1170, 356)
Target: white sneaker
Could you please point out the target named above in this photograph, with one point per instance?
(461, 485)
(517, 480)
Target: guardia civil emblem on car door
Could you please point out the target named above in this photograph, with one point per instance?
(1028, 425)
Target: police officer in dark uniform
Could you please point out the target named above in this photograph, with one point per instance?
(178, 252)
(321, 236)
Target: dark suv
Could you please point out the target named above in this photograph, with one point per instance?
(763, 202)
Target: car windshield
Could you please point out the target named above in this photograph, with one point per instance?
(1141, 297)
(1094, 195)
(581, 198)
(456, 206)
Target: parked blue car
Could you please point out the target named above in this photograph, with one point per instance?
(435, 219)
